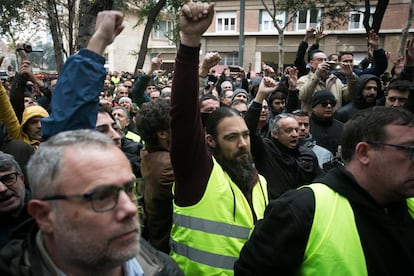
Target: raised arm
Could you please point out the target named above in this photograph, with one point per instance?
(138, 91)
(190, 158)
(75, 99)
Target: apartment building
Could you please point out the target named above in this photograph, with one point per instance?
(260, 36)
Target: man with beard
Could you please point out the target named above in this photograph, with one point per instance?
(218, 194)
(366, 92)
(280, 160)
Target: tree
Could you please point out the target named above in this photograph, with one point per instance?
(87, 16)
(376, 18)
(335, 11)
(405, 31)
(10, 12)
(149, 10)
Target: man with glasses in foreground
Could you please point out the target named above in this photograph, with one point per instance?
(85, 207)
(357, 220)
(13, 197)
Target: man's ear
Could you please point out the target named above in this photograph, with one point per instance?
(363, 152)
(42, 213)
(210, 141)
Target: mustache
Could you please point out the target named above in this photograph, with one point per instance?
(241, 152)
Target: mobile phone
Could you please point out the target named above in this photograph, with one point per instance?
(334, 66)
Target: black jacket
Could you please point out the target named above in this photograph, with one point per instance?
(345, 113)
(278, 242)
(22, 257)
(327, 134)
(283, 168)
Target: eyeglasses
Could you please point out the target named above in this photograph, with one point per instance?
(127, 86)
(102, 199)
(325, 104)
(401, 147)
(9, 179)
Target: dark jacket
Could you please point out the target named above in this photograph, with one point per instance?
(345, 113)
(278, 242)
(327, 133)
(283, 168)
(132, 152)
(23, 257)
(158, 177)
(379, 65)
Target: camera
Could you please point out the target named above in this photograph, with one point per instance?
(334, 66)
(28, 49)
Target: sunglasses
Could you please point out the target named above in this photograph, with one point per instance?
(325, 104)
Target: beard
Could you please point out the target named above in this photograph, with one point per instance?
(239, 168)
(95, 254)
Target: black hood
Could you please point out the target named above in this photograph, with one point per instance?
(359, 100)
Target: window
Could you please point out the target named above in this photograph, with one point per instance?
(356, 18)
(162, 29)
(226, 22)
(307, 19)
(266, 21)
(229, 58)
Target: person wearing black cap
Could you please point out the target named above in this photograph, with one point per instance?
(324, 128)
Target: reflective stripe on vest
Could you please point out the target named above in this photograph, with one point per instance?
(206, 238)
(213, 227)
(203, 257)
(410, 204)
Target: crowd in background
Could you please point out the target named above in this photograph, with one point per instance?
(175, 130)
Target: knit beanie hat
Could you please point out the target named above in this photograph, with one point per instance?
(322, 95)
(239, 91)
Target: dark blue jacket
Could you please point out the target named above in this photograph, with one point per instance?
(75, 99)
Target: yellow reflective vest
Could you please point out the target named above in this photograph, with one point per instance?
(334, 247)
(206, 238)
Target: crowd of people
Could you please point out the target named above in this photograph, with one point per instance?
(308, 171)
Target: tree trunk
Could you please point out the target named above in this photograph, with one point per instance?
(54, 26)
(377, 16)
(147, 31)
(71, 17)
(87, 17)
(405, 31)
(281, 51)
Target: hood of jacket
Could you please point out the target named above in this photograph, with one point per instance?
(33, 111)
(358, 99)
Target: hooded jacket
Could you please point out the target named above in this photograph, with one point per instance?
(9, 118)
(344, 113)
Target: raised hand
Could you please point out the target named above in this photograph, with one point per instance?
(291, 74)
(108, 26)
(373, 40)
(195, 18)
(266, 87)
(409, 52)
(210, 60)
(319, 34)
(156, 63)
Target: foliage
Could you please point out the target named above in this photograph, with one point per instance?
(10, 11)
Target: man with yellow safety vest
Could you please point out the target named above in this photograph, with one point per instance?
(218, 194)
(357, 219)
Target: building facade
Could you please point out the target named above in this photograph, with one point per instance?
(260, 36)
